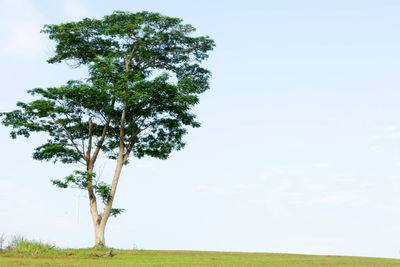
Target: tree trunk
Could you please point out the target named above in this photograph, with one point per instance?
(98, 228)
(99, 235)
(100, 221)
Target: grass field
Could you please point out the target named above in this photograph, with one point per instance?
(22, 252)
(127, 258)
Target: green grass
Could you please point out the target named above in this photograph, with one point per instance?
(32, 253)
(23, 247)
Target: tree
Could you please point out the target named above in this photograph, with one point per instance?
(143, 79)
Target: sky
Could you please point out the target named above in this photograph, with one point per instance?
(298, 150)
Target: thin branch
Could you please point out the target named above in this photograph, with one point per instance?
(83, 142)
(151, 48)
(88, 153)
(135, 131)
(69, 137)
(91, 46)
(103, 135)
(164, 53)
(131, 144)
(133, 51)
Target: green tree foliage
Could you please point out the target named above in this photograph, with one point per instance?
(143, 79)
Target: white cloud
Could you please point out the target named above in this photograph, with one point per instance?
(320, 165)
(3, 106)
(240, 186)
(5, 188)
(392, 128)
(75, 10)
(143, 164)
(317, 187)
(375, 148)
(279, 173)
(222, 190)
(392, 132)
(202, 187)
(336, 119)
(392, 136)
(342, 197)
(349, 122)
(21, 29)
(393, 178)
(391, 208)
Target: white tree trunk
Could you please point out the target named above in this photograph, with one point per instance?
(99, 235)
(100, 220)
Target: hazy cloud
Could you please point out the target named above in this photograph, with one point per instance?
(317, 187)
(3, 106)
(320, 165)
(336, 119)
(75, 10)
(375, 148)
(20, 35)
(349, 122)
(392, 132)
(342, 197)
(222, 190)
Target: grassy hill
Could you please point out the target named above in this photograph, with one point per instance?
(127, 258)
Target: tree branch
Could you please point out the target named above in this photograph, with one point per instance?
(69, 137)
(90, 45)
(133, 51)
(103, 135)
(164, 53)
(88, 153)
(131, 144)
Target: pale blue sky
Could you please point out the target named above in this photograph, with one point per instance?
(298, 150)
